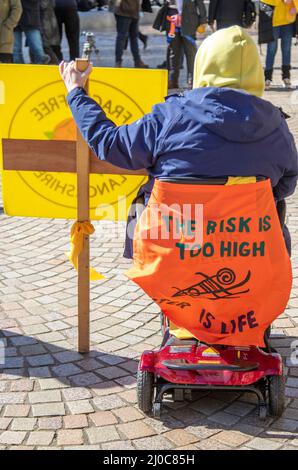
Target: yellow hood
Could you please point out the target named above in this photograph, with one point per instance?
(229, 58)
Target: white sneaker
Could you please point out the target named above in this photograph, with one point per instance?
(268, 84)
(287, 83)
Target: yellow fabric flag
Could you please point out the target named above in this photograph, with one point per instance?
(78, 231)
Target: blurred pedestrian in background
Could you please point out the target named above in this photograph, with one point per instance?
(277, 21)
(145, 7)
(226, 13)
(30, 26)
(127, 13)
(10, 13)
(67, 15)
(181, 20)
(49, 29)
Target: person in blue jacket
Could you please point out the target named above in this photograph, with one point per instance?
(220, 128)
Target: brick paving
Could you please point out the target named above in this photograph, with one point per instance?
(53, 397)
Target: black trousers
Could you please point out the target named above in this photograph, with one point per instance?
(281, 207)
(227, 24)
(6, 58)
(70, 19)
(127, 28)
(178, 45)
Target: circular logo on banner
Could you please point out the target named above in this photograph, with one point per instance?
(44, 115)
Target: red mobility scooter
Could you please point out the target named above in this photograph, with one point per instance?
(181, 366)
(187, 362)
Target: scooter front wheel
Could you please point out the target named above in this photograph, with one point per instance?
(145, 390)
(276, 389)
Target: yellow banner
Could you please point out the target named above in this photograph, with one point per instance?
(33, 106)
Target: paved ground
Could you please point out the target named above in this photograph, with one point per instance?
(50, 396)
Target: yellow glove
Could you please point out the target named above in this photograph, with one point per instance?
(201, 29)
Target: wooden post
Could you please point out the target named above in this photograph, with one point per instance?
(83, 172)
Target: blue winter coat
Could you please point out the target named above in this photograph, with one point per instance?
(206, 132)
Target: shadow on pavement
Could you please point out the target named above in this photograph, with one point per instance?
(203, 415)
(26, 356)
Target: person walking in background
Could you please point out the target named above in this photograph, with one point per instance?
(226, 13)
(282, 26)
(181, 20)
(67, 15)
(30, 25)
(127, 14)
(49, 29)
(146, 7)
(10, 13)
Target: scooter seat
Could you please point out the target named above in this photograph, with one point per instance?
(173, 341)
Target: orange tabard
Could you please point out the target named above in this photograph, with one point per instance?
(214, 259)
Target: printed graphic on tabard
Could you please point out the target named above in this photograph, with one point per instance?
(217, 289)
(35, 107)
